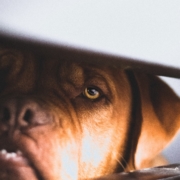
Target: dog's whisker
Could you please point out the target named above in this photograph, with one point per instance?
(121, 163)
(124, 164)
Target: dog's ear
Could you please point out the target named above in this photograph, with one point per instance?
(160, 108)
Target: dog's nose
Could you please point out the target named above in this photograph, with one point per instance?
(19, 113)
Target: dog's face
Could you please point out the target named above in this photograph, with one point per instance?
(64, 120)
(62, 116)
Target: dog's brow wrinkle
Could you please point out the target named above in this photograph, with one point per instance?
(76, 77)
(76, 70)
(11, 61)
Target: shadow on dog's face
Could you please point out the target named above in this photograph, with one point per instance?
(64, 120)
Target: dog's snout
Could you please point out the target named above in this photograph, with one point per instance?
(18, 113)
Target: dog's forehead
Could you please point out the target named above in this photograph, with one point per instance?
(71, 72)
(74, 71)
(47, 70)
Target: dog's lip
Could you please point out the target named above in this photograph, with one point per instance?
(17, 162)
(13, 159)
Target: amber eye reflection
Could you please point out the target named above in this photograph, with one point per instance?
(91, 93)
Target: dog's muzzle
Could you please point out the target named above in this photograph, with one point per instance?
(21, 113)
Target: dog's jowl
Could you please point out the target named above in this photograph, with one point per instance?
(62, 119)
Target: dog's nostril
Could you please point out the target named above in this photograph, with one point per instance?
(28, 115)
(6, 114)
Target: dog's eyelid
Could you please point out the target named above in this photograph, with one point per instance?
(98, 82)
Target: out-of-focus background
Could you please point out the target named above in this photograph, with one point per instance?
(141, 29)
(172, 152)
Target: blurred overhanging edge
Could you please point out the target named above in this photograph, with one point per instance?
(83, 54)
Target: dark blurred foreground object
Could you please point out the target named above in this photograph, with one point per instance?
(169, 172)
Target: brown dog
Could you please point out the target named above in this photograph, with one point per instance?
(63, 120)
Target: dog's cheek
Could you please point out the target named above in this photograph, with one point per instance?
(94, 155)
(97, 137)
(54, 154)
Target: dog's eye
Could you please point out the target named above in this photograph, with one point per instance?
(91, 93)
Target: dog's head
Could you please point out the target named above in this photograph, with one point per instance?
(68, 120)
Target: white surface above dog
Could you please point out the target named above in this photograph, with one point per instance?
(144, 30)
